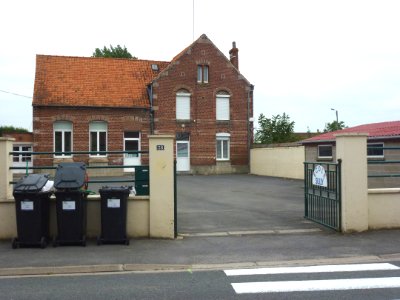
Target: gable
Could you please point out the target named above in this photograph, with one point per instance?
(88, 81)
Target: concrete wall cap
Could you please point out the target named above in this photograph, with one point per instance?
(350, 134)
(7, 139)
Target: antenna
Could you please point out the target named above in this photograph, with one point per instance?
(193, 21)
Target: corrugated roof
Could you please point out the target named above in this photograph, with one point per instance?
(88, 81)
(374, 130)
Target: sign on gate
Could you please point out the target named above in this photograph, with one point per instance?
(319, 176)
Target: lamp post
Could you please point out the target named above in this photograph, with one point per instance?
(337, 118)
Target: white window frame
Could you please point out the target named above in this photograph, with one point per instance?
(222, 109)
(63, 131)
(373, 145)
(180, 114)
(202, 73)
(220, 138)
(21, 156)
(97, 131)
(324, 157)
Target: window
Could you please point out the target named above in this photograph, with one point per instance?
(325, 151)
(223, 145)
(222, 109)
(62, 138)
(98, 137)
(182, 105)
(202, 74)
(375, 150)
(21, 157)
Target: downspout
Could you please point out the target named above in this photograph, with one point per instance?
(150, 93)
(249, 135)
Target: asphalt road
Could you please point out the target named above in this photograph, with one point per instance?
(364, 281)
(219, 203)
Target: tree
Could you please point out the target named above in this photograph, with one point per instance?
(278, 129)
(11, 129)
(117, 52)
(335, 125)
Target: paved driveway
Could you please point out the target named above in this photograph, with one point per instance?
(221, 203)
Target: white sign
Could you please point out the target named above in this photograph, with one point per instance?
(319, 176)
(26, 205)
(68, 205)
(113, 203)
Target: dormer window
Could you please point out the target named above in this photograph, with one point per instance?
(202, 74)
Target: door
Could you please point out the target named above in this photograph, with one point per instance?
(131, 143)
(22, 160)
(182, 156)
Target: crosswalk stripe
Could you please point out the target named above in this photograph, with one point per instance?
(316, 285)
(313, 269)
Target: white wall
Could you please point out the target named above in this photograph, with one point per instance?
(287, 162)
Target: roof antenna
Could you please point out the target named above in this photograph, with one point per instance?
(193, 20)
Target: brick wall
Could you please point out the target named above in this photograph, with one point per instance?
(118, 119)
(182, 74)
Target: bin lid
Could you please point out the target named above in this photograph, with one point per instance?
(106, 189)
(31, 183)
(70, 175)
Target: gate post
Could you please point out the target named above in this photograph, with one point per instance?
(351, 148)
(6, 175)
(161, 161)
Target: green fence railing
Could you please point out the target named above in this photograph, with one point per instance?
(70, 153)
(382, 161)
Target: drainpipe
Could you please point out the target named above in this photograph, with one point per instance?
(150, 93)
(249, 135)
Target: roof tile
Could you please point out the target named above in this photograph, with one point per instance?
(88, 81)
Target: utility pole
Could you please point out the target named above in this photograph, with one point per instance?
(337, 117)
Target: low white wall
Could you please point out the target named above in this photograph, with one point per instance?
(384, 208)
(287, 162)
(137, 222)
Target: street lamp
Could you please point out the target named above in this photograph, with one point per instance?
(337, 118)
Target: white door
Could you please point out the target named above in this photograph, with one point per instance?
(131, 142)
(22, 160)
(182, 156)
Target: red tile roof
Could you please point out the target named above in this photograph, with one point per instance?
(374, 130)
(88, 81)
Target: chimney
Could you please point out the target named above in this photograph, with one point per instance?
(234, 55)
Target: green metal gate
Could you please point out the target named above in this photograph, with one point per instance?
(322, 193)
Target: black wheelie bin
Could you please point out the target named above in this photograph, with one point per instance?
(70, 204)
(32, 206)
(113, 215)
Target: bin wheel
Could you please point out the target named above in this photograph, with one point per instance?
(99, 241)
(55, 242)
(84, 241)
(43, 242)
(14, 243)
(127, 242)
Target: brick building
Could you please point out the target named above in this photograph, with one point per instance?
(103, 104)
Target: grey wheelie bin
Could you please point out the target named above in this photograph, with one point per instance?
(70, 204)
(113, 215)
(32, 206)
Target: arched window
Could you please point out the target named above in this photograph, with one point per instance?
(62, 138)
(222, 106)
(98, 137)
(183, 105)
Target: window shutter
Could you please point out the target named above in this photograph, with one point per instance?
(182, 107)
(222, 108)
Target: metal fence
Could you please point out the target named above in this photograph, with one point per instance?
(322, 196)
(27, 168)
(381, 161)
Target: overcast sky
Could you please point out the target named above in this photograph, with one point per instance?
(304, 57)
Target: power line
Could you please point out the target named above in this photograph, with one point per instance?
(15, 94)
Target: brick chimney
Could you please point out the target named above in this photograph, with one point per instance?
(234, 55)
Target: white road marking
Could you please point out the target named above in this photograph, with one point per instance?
(316, 285)
(313, 269)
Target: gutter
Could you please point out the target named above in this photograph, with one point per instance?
(248, 123)
(150, 93)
